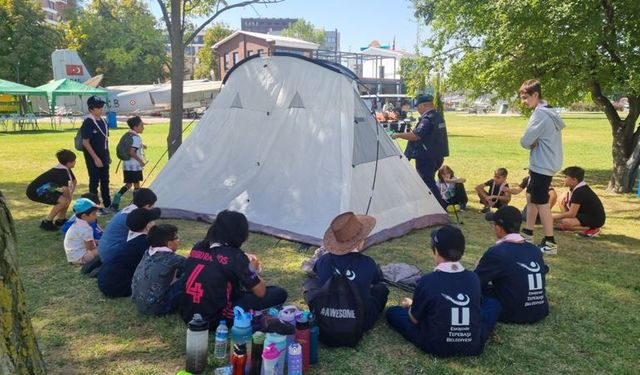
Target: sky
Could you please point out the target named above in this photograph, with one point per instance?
(358, 21)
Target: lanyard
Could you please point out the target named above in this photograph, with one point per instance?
(106, 136)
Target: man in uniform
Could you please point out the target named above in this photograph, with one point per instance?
(428, 143)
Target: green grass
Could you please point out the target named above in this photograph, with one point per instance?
(593, 285)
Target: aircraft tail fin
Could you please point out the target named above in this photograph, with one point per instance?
(67, 63)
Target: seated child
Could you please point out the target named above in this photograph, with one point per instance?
(496, 196)
(97, 231)
(581, 209)
(55, 187)
(116, 231)
(158, 285)
(344, 240)
(444, 317)
(114, 277)
(452, 188)
(220, 275)
(512, 272)
(79, 244)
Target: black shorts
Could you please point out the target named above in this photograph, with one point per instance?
(538, 187)
(131, 177)
(48, 197)
(590, 221)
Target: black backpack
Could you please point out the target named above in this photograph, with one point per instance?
(339, 311)
(124, 146)
(77, 141)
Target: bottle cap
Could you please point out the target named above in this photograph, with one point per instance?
(270, 352)
(295, 349)
(240, 349)
(223, 322)
(288, 314)
(241, 319)
(258, 337)
(197, 324)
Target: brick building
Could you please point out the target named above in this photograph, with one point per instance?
(243, 44)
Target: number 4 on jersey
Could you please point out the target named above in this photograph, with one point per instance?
(194, 289)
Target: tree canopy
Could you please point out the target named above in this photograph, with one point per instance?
(118, 38)
(207, 60)
(304, 30)
(572, 46)
(26, 41)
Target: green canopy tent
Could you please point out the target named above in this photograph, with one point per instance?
(67, 87)
(12, 88)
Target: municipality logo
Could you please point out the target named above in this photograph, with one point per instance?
(460, 314)
(535, 276)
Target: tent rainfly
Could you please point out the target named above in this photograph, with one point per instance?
(67, 87)
(12, 88)
(290, 143)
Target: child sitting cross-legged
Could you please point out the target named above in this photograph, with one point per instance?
(79, 244)
(157, 286)
(496, 196)
(451, 187)
(444, 316)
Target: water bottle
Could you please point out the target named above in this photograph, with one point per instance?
(241, 333)
(314, 333)
(270, 357)
(239, 359)
(220, 346)
(303, 337)
(197, 341)
(288, 315)
(280, 343)
(256, 352)
(294, 363)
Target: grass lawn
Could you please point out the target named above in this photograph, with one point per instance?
(593, 286)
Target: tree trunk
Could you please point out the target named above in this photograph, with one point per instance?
(19, 352)
(174, 139)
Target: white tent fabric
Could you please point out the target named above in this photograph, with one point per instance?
(289, 143)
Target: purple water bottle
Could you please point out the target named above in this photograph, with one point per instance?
(294, 363)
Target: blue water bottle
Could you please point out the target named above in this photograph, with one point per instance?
(294, 362)
(241, 333)
(314, 332)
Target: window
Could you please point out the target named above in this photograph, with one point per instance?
(249, 53)
(235, 58)
(260, 52)
(226, 61)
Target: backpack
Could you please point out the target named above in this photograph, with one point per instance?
(124, 146)
(339, 311)
(77, 141)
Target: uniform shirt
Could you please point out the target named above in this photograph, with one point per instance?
(495, 189)
(589, 203)
(216, 276)
(115, 234)
(433, 143)
(152, 280)
(97, 133)
(52, 180)
(132, 164)
(114, 278)
(447, 307)
(516, 271)
(359, 268)
(74, 240)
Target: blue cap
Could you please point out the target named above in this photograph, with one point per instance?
(241, 319)
(83, 205)
(424, 99)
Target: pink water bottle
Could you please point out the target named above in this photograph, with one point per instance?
(270, 357)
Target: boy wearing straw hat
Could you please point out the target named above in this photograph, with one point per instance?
(344, 239)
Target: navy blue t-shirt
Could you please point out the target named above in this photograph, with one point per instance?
(433, 142)
(97, 136)
(517, 275)
(447, 308)
(359, 268)
(114, 277)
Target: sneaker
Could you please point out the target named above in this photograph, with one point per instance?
(591, 232)
(60, 222)
(527, 237)
(105, 211)
(48, 225)
(463, 207)
(485, 209)
(549, 248)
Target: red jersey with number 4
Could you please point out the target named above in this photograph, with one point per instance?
(216, 275)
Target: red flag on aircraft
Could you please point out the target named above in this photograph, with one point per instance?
(74, 70)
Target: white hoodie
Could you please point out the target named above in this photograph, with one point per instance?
(545, 126)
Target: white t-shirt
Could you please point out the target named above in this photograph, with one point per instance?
(132, 164)
(75, 238)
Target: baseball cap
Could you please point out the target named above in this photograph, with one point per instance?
(95, 102)
(424, 99)
(83, 205)
(447, 238)
(138, 219)
(508, 217)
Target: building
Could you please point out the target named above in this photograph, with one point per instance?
(266, 25)
(54, 9)
(331, 40)
(386, 68)
(242, 44)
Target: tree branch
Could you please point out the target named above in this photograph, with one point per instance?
(599, 98)
(221, 10)
(610, 30)
(165, 16)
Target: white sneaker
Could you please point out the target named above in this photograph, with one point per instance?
(549, 248)
(527, 237)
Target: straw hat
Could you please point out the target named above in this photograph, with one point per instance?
(346, 231)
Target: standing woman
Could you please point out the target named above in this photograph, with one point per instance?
(95, 142)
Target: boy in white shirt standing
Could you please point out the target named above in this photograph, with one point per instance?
(132, 158)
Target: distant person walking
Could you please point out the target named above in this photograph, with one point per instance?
(544, 138)
(95, 142)
(428, 143)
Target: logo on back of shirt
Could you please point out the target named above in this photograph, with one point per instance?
(459, 315)
(534, 277)
(349, 274)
